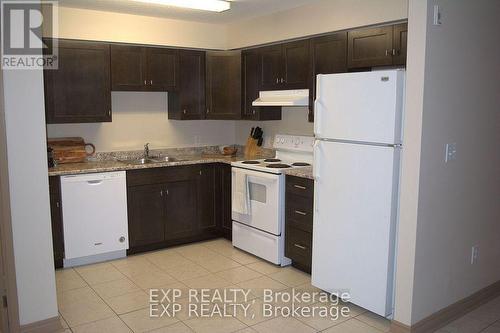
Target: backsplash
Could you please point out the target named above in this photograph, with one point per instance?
(141, 117)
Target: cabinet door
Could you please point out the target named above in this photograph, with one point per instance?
(128, 68)
(56, 218)
(224, 85)
(181, 210)
(206, 198)
(188, 101)
(223, 199)
(146, 214)
(297, 65)
(399, 44)
(162, 67)
(329, 56)
(271, 59)
(79, 90)
(370, 47)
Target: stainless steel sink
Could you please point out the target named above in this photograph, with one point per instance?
(165, 159)
(149, 160)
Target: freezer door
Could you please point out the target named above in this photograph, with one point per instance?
(354, 219)
(364, 107)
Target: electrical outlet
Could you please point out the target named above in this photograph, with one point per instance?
(474, 255)
(451, 152)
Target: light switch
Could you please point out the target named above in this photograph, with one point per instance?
(451, 152)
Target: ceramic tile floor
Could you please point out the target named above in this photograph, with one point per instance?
(114, 296)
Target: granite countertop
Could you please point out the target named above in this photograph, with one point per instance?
(306, 172)
(116, 165)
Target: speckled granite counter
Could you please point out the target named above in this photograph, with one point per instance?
(306, 172)
(115, 165)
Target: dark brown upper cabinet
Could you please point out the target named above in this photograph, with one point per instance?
(285, 66)
(328, 56)
(223, 83)
(250, 87)
(136, 68)
(79, 91)
(188, 101)
(400, 39)
(381, 46)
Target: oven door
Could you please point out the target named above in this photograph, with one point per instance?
(266, 196)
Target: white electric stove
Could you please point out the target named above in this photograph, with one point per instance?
(260, 230)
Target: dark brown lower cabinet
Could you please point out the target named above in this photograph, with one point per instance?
(173, 205)
(146, 215)
(56, 218)
(299, 221)
(223, 200)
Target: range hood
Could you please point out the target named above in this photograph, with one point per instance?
(283, 98)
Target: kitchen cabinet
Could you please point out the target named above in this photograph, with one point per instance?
(223, 209)
(173, 205)
(285, 66)
(328, 56)
(56, 221)
(223, 84)
(146, 214)
(181, 206)
(251, 79)
(400, 37)
(299, 199)
(380, 46)
(206, 197)
(136, 68)
(79, 90)
(188, 101)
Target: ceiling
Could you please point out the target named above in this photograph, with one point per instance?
(240, 9)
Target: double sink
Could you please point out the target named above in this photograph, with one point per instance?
(149, 160)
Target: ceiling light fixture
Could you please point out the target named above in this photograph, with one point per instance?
(210, 5)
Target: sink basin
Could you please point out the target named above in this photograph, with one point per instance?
(165, 159)
(138, 161)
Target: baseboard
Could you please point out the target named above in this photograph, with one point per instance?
(43, 326)
(450, 313)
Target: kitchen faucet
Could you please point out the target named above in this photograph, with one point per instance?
(146, 150)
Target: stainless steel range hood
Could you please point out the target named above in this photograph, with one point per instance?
(283, 98)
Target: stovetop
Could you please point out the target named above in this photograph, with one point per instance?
(276, 166)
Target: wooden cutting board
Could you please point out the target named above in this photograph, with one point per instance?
(70, 150)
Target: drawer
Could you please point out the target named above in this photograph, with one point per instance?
(299, 212)
(298, 246)
(300, 186)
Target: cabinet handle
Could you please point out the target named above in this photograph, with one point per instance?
(282, 80)
(277, 80)
(200, 172)
(387, 53)
(151, 82)
(109, 112)
(300, 246)
(145, 82)
(208, 110)
(184, 111)
(394, 52)
(57, 204)
(300, 213)
(253, 112)
(300, 187)
(161, 193)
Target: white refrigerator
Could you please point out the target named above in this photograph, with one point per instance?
(358, 121)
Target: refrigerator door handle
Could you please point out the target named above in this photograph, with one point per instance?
(318, 107)
(317, 152)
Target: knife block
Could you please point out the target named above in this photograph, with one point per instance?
(251, 148)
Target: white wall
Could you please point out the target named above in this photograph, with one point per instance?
(315, 18)
(29, 195)
(87, 24)
(293, 121)
(457, 201)
(407, 233)
(140, 117)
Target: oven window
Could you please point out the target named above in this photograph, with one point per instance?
(258, 192)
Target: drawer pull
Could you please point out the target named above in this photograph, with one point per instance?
(300, 187)
(300, 213)
(300, 246)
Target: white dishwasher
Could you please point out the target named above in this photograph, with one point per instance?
(95, 226)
